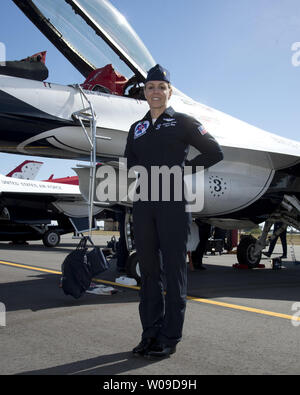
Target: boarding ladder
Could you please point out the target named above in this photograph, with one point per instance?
(88, 114)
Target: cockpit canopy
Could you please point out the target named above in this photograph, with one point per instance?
(90, 34)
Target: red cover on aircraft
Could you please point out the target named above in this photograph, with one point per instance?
(105, 77)
(38, 57)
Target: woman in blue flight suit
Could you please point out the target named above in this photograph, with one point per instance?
(162, 138)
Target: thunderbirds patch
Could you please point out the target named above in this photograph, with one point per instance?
(141, 128)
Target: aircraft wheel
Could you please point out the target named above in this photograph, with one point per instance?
(133, 267)
(245, 252)
(51, 238)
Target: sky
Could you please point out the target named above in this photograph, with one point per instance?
(232, 55)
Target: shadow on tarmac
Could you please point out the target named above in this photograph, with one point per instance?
(61, 248)
(111, 364)
(43, 292)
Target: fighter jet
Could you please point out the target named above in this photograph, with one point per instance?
(40, 210)
(258, 180)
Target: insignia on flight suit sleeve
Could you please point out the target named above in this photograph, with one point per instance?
(141, 128)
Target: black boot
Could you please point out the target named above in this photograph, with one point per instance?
(143, 346)
(160, 350)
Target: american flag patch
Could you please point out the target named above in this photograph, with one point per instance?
(202, 130)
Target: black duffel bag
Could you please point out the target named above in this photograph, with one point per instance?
(80, 266)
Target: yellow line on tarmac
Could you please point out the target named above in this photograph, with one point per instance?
(245, 308)
(199, 300)
(39, 269)
(113, 283)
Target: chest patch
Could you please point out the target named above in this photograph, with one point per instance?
(168, 122)
(141, 128)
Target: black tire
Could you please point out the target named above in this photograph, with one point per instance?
(245, 252)
(51, 238)
(132, 267)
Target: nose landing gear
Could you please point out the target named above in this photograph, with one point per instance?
(246, 252)
(250, 249)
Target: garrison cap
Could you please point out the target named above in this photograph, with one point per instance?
(158, 73)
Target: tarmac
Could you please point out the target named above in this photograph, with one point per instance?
(237, 321)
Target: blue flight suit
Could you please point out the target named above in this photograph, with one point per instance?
(161, 228)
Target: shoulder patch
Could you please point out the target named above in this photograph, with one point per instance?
(141, 128)
(202, 130)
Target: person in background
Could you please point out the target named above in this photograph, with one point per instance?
(122, 251)
(204, 235)
(282, 236)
